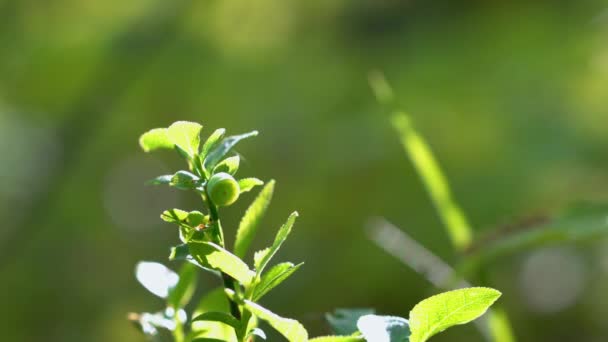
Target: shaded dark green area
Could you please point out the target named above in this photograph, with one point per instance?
(511, 96)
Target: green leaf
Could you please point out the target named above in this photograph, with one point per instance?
(229, 165)
(434, 181)
(156, 277)
(210, 255)
(439, 312)
(338, 339)
(212, 141)
(186, 136)
(223, 148)
(263, 257)
(214, 301)
(155, 139)
(160, 180)
(184, 180)
(196, 218)
(291, 329)
(214, 316)
(344, 321)
(251, 220)
(176, 216)
(259, 256)
(207, 339)
(246, 184)
(275, 276)
(384, 328)
(182, 292)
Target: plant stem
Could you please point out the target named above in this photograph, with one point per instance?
(229, 282)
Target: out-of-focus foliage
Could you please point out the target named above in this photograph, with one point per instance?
(511, 96)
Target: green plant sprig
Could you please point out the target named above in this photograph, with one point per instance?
(232, 312)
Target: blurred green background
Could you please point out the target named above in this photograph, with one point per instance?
(511, 95)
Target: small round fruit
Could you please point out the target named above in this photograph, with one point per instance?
(223, 189)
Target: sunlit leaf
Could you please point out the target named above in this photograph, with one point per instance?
(264, 258)
(229, 165)
(212, 256)
(338, 339)
(156, 277)
(176, 216)
(384, 328)
(439, 312)
(155, 139)
(291, 329)
(259, 256)
(186, 136)
(222, 317)
(216, 154)
(214, 301)
(275, 276)
(250, 222)
(344, 321)
(212, 141)
(184, 180)
(246, 184)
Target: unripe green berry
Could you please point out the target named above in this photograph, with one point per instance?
(223, 189)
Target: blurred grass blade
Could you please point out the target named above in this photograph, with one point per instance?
(500, 327)
(436, 184)
(250, 222)
(582, 223)
(399, 244)
(404, 248)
